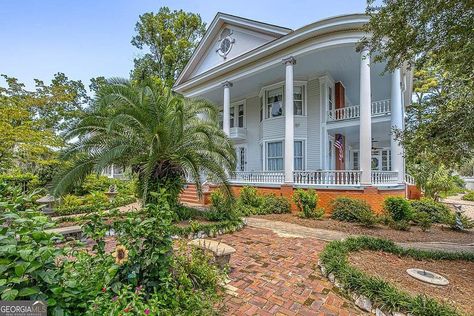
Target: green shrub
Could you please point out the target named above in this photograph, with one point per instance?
(466, 221)
(70, 200)
(249, 196)
(352, 210)
(399, 225)
(423, 220)
(184, 213)
(271, 204)
(469, 196)
(307, 202)
(437, 211)
(222, 207)
(398, 208)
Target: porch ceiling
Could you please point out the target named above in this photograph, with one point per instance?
(380, 133)
(341, 62)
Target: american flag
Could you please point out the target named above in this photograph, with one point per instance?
(339, 144)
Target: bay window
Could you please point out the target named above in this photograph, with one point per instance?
(298, 155)
(275, 156)
(274, 102)
(273, 105)
(298, 100)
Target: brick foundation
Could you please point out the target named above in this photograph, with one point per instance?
(373, 195)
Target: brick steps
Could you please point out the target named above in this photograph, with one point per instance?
(189, 195)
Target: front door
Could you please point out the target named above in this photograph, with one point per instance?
(241, 158)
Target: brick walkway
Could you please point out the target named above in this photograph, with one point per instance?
(275, 275)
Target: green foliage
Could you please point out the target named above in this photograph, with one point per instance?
(249, 196)
(438, 212)
(222, 207)
(272, 204)
(382, 293)
(93, 207)
(398, 208)
(433, 178)
(435, 38)
(423, 220)
(184, 212)
(156, 134)
(466, 221)
(209, 229)
(469, 196)
(307, 203)
(30, 121)
(352, 210)
(170, 38)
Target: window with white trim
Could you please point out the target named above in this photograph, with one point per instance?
(232, 116)
(274, 156)
(240, 115)
(298, 155)
(298, 94)
(274, 102)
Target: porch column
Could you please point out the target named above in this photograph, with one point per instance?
(226, 114)
(289, 120)
(396, 124)
(365, 134)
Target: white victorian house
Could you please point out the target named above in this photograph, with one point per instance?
(303, 107)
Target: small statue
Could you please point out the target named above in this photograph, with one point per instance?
(112, 188)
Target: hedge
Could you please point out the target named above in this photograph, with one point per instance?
(89, 208)
(380, 292)
(195, 230)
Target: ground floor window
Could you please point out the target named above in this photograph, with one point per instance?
(381, 160)
(299, 155)
(275, 156)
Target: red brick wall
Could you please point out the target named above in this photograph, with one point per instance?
(413, 193)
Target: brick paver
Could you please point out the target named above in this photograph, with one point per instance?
(276, 275)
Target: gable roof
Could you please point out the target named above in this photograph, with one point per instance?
(217, 23)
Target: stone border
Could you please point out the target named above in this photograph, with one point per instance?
(222, 231)
(361, 301)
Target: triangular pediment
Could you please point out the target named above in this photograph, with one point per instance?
(226, 38)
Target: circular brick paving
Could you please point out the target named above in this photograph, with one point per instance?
(273, 275)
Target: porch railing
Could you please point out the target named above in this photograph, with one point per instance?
(327, 177)
(409, 179)
(384, 177)
(258, 176)
(377, 108)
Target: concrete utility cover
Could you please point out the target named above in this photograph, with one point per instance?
(428, 276)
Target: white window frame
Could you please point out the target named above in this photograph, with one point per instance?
(264, 152)
(263, 94)
(282, 157)
(234, 109)
(303, 152)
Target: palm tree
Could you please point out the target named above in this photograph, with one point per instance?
(162, 137)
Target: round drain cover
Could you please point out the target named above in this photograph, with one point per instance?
(428, 276)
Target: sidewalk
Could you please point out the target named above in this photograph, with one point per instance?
(283, 229)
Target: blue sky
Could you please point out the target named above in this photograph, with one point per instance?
(90, 38)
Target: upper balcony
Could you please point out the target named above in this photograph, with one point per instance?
(238, 133)
(378, 108)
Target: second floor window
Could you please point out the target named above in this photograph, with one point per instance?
(298, 100)
(274, 103)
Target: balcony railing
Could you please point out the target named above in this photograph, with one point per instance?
(381, 107)
(327, 177)
(384, 177)
(409, 179)
(258, 177)
(238, 133)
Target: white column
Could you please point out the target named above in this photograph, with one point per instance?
(289, 120)
(365, 135)
(226, 114)
(396, 124)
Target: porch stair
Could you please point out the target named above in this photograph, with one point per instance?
(189, 195)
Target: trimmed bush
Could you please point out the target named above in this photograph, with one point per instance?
(272, 204)
(249, 196)
(437, 211)
(222, 207)
(469, 196)
(352, 210)
(398, 208)
(307, 202)
(423, 220)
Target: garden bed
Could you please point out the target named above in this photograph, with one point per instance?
(372, 292)
(458, 292)
(437, 233)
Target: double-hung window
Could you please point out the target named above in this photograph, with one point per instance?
(274, 103)
(232, 116)
(275, 156)
(298, 93)
(298, 155)
(240, 115)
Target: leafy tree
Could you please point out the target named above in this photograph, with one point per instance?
(30, 121)
(170, 37)
(157, 134)
(435, 38)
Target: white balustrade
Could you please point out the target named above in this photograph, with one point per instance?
(327, 177)
(258, 177)
(384, 177)
(409, 179)
(381, 107)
